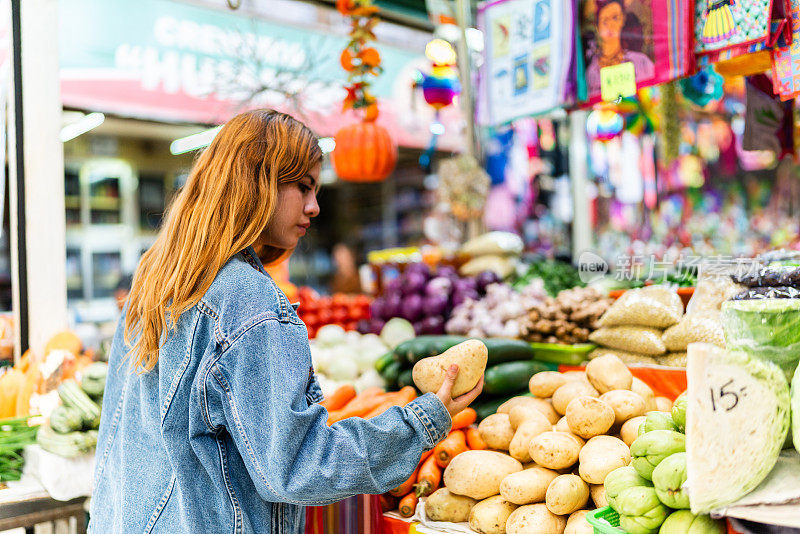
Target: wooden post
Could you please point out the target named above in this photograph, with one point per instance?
(36, 178)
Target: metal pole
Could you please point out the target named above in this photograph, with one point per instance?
(464, 19)
(579, 176)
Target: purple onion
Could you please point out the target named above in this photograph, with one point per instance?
(392, 306)
(466, 284)
(414, 283)
(433, 325)
(411, 307)
(419, 268)
(435, 304)
(378, 308)
(447, 271)
(364, 326)
(440, 285)
(418, 330)
(376, 325)
(486, 278)
(460, 296)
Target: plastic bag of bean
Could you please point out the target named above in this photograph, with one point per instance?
(639, 339)
(673, 359)
(698, 327)
(628, 358)
(654, 306)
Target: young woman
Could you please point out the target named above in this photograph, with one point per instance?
(210, 422)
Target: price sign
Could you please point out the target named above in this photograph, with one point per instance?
(617, 81)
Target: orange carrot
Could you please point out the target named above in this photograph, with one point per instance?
(453, 445)
(474, 440)
(362, 404)
(388, 502)
(464, 418)
(408, 505)
(406, 486)
(339, 398)
(429, 477)
(398, 398)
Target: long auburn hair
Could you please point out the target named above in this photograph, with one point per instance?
(227, 202)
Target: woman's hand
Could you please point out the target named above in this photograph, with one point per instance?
(452, 405)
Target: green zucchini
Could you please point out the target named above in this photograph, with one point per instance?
(392, 372)
(65, 419)
(67, 445)
(383, 362)
(420, 347)
(93, 381)
(505, 378)
(488, 405)
(72, 395)
(500, 349)
(405, 379)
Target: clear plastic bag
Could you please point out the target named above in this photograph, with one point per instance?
(697, 327)
(767, 328)
(654, 306)
(714, 286)
(639, 339)
(760, 293)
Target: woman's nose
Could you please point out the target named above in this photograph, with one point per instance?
(312, 207)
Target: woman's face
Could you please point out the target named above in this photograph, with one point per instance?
(610, 20)
(296, 206)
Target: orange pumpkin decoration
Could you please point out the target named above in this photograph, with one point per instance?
(365, 152)
(370, 57)
(346, 60)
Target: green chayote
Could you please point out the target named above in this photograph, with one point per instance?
(679, 412)
(685, 522)
(657, 421)
(640, 510)
(668, 479)
(621, 479)
(649, 449)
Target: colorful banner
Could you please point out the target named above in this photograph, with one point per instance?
(529, 47)
(786, 59)
(720, 24)
(176, 62)
(654, 35)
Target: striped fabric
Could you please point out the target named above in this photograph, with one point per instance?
(357, 515)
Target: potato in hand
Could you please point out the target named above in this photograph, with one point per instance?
(470, 356)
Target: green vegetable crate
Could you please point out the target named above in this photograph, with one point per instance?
(605, 521)
(562, 354)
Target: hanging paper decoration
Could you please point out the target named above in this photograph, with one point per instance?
(604, 124)
(529, 47)
(463, 185)
(703, 87)
(438, 88)
(656, 37)
(366, 152)
(670, 125)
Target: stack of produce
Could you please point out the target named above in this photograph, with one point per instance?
(340, 309)
(341, 357)
(72, 426)
(427, 478)
(568, 318)
(426, 298)
(510, 365)
(555, 275)
(548, 454)
(633, 327)
(500, 313)
(15, 434)
(497, 252)
(649, 494)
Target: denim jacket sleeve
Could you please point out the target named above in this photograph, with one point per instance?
(257, 391)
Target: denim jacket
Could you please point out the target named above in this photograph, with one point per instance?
(224, 434)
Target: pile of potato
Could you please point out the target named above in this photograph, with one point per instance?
(548, 454)
(569, 318)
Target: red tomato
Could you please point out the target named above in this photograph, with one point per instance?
(340, 315)
(325, 302)
(305, 293)
(310, 319)
(340, 299)
(324, 316)
(351, 325)
(312, 332)
(362, 300)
